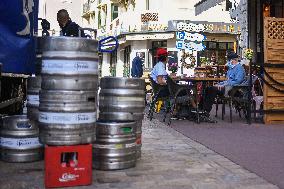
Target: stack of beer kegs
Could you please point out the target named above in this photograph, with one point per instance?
(118, 131)
(67, 109)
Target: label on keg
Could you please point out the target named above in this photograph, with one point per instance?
(69, 66)
(20, 143)
(114, 146)
(33, 99)
(105, 146)
(67, 118)
(130, 145)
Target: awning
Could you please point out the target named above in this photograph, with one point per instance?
(204, 5)
(159, 36)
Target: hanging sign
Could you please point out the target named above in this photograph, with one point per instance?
(190, 45)
(190, 36)
(190, 27)
(203, 26)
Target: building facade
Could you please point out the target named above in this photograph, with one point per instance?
(48, 10)
(142, 26)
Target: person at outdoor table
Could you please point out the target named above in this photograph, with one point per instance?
(159, 73)
(235, 76)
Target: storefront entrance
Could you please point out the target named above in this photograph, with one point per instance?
(155, 46)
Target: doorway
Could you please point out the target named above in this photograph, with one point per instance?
(155, 46)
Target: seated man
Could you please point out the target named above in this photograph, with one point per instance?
(159, 73)
(235, 76)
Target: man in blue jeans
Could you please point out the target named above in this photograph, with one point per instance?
(235, 76)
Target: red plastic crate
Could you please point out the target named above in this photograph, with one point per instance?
(68, 165)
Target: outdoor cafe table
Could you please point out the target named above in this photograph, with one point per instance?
(200, 79)
(195, 81)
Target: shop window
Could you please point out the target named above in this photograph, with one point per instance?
(230, 46)
(155, 46)
(205, 43)
(114, 11)
(212, 45)
(205, 57)
(159, 44)
(127, 61)
(222, 46)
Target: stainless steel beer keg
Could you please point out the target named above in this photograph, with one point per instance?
(69, 63)
(19, 140)
(115, 145)
(67, 117)
(121, 99)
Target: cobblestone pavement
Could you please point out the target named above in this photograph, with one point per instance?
(169, 161)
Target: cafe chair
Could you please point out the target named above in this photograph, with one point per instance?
(156, 88)
(238, 98)
(179, 95)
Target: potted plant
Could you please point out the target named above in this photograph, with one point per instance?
(248, 54)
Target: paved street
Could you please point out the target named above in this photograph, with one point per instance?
(169, 161)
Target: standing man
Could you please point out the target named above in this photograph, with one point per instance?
(68, 28)
(137, 66)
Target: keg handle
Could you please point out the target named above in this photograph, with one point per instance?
(103, 43)
(87, 29)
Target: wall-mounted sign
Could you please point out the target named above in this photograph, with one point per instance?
(146, 17)
(190, 36)
(154, 27)
(190, 45)
(210, 27)
(190, 27)
(150, 36)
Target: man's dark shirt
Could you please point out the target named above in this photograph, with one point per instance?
(71, 29)
(137, 67)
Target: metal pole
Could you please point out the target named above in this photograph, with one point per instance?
(250, 64)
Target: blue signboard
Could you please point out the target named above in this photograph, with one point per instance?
(18, 21)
